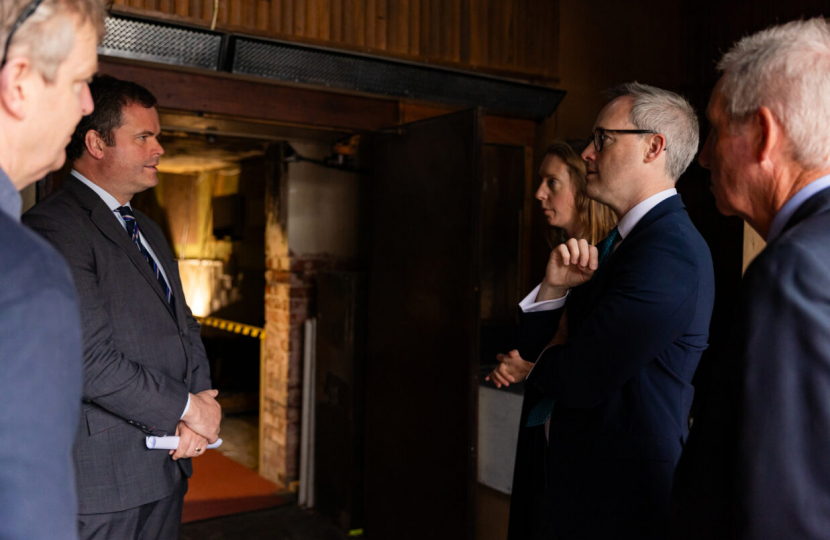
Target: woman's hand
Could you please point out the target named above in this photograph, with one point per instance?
(512, 368)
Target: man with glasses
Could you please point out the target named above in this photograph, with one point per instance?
(616, 395)
(756, 463)
(49, 54)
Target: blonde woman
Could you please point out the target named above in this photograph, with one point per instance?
(562, 194)
(571, 214)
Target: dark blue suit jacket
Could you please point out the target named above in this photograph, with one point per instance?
(622, 382)
(40, 386)
(757, 465)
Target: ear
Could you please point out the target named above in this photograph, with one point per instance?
(768, 136)
(656, 146)
(15, 87)
(94, 144)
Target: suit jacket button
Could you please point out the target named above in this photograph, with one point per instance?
(181, 333)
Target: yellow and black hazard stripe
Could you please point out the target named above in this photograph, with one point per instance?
(235, 327)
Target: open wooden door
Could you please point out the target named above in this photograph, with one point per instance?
(423, 330)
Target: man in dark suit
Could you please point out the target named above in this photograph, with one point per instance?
(616, 396)
(145, 369)
(50, 53)
(756, 463)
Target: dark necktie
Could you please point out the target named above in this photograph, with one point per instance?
(132, 228)
(541, 412)
(605, 245)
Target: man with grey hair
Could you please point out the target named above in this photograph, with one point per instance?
(49, 54)
(756, 463)
(616, 395)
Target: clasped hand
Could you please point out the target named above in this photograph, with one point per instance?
(191, 444)
(204, 415)
(512, 368)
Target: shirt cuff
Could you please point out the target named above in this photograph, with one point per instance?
(530, 305)
(186, 407)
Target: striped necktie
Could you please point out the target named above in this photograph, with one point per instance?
(132, 228)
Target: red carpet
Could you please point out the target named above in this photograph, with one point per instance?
(221, 486)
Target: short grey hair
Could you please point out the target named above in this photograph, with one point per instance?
(787, 69)
(48, 35)
(666, 113)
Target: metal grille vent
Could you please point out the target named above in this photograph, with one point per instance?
(377, 76)
(127, 38)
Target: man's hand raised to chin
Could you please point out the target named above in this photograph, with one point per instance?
(204, 414)
(570, 264)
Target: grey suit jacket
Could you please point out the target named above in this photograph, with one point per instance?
(141, 358)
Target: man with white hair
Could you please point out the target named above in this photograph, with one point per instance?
(756, 464)
(616, 395)
(49, 54)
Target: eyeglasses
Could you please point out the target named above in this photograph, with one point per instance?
(27, 12)
(598, 135)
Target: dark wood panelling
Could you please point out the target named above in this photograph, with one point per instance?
(514, 37)
(232, 96)
(497, 129)
(420, 453)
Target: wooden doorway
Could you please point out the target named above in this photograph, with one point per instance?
(421, 387)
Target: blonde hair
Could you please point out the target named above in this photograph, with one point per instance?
(595, 219)
(48, 35)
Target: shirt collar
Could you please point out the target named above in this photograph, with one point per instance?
(783, 216)
(10, 201)
(630, 220)
(111, 202)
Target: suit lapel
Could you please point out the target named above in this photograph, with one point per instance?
(158, 242)
(109, 226)
(664, 208)
(591, 292)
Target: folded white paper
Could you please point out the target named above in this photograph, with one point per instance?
(171, 442)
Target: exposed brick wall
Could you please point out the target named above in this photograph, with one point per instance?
(274, 411)
(275, 374)
(290, 289)
(289, 297)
